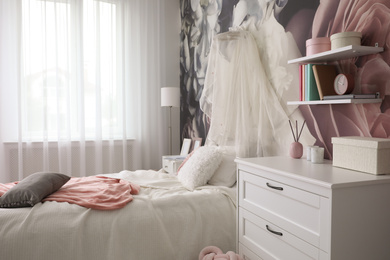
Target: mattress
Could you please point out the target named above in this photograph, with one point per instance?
(164, 221)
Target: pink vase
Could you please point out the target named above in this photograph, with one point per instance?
(296, 150)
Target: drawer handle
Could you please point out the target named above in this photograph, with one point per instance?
(274, 232)
(274, 187)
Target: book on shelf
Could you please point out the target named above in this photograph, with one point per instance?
(311, 90)
(303, 82)
(352, 96)
(300, 82)
(324, 76)
(306, 96)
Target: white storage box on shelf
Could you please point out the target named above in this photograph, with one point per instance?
(339, 40)
(171, 163)
(365, 154)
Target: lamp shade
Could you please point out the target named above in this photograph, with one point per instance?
(170, 97)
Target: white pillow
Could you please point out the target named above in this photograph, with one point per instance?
(225, 175)
(199, 168)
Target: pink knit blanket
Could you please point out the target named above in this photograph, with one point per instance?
(96, 192)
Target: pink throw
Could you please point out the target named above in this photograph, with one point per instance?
(96, 192)
(4, 187)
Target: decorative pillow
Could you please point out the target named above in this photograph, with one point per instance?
(200, 166)
(186, 159)
(32, 189)
(225, 175)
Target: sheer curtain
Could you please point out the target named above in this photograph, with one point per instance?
(79, 86)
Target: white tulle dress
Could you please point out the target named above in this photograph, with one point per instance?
(246, 88)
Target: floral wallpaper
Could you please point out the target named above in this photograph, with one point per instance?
(201, 20)
(303, 19)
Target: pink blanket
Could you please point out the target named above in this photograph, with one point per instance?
(96, 192)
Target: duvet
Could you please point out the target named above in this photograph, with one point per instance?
(164, 221)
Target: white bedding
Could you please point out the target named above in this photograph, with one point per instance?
(165, 221)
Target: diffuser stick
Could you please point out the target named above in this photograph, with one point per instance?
(292, 131)
(301, 130)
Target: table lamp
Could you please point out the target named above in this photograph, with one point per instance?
(170, 97)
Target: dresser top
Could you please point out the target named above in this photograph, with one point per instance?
(324, 174)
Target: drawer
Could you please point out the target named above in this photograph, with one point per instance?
(261, 238)
(299, 212)
(247, 254)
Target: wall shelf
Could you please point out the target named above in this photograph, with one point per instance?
(343, 53)
(336, 101)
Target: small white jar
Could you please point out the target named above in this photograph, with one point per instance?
(317, 155)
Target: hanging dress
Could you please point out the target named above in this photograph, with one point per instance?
(243, 97)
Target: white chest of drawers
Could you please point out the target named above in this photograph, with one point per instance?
(292, 209)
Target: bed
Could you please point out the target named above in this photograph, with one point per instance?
(165, 220)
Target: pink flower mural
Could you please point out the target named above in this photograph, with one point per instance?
(372, 72)
(304, 19)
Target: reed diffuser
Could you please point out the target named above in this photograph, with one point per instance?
(296, 148)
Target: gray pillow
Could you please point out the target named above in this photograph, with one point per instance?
(32, 189)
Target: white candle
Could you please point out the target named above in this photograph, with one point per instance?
(308, 151)
(317, 154)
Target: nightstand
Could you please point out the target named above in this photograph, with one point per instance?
(293, 209)
(171, 163)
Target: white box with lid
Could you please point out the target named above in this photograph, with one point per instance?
(365, 154)
(339, 40)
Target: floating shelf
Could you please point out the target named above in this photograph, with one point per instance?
(336, 101)
(343, 53)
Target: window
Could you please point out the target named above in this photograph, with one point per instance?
(79, 85)
(70, 69)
